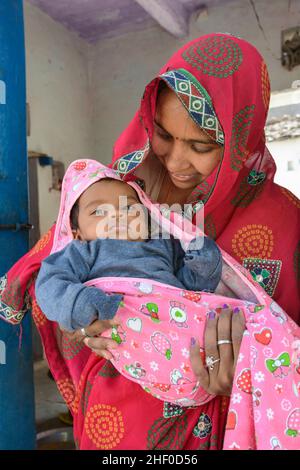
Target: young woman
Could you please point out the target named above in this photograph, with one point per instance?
(198, 137)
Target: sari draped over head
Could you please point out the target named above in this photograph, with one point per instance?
(223, 83)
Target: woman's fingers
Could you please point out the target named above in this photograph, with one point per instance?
(100, 343)
(210, 345)
(99, 326)
(217, 375)
(226, 369)
(238, 327)
(224, 334)
(103, 353)
(198, 367)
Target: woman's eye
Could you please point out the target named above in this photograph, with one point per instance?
(201, 150)
(164, 136)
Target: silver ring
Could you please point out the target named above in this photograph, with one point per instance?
(210, 362)
(84, 333)
(224, 341)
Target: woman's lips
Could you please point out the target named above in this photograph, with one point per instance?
(183, 177)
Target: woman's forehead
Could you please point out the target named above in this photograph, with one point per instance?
(172, 116)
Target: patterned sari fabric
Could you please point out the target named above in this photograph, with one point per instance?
(223, 83)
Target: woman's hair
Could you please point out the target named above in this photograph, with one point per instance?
(161, 87)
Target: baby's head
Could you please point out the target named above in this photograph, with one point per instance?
(109, 208)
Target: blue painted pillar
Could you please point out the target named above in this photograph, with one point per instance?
(17, 428)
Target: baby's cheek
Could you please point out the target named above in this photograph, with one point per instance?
(100, 228)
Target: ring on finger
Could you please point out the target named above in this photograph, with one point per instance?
(224, 341)
(84, 333)
(210, 362)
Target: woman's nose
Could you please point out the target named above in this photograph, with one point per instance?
(174, 158)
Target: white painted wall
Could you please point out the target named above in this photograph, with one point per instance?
(58, 94)
(287, 157)
(286, 152)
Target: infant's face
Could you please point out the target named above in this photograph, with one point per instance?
(111, 209)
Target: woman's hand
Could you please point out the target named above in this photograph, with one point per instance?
(92, 338)
(218, 379)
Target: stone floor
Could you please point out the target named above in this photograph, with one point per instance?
(48, 406)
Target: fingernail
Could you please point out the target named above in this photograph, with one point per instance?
(193, 342)
(211, 315)
(236, 310)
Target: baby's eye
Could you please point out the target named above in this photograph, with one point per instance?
(99, 212)
(131, 210)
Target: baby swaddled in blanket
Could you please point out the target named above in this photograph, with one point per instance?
(114, 241)
(113, 236)
(161, 290)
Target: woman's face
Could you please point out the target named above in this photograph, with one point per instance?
(187, 152)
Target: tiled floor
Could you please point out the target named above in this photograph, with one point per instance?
(48, 404)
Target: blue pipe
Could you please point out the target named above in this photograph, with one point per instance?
(17, 423)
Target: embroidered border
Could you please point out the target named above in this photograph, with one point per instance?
(171, 410)
(196, 101)
(8, 313)
(264, 271)
(129, 162)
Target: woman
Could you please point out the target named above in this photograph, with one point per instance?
(199, 138)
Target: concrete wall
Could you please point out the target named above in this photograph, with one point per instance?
(59, 99)
(121, 67)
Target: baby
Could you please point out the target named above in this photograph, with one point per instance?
(111, 239)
